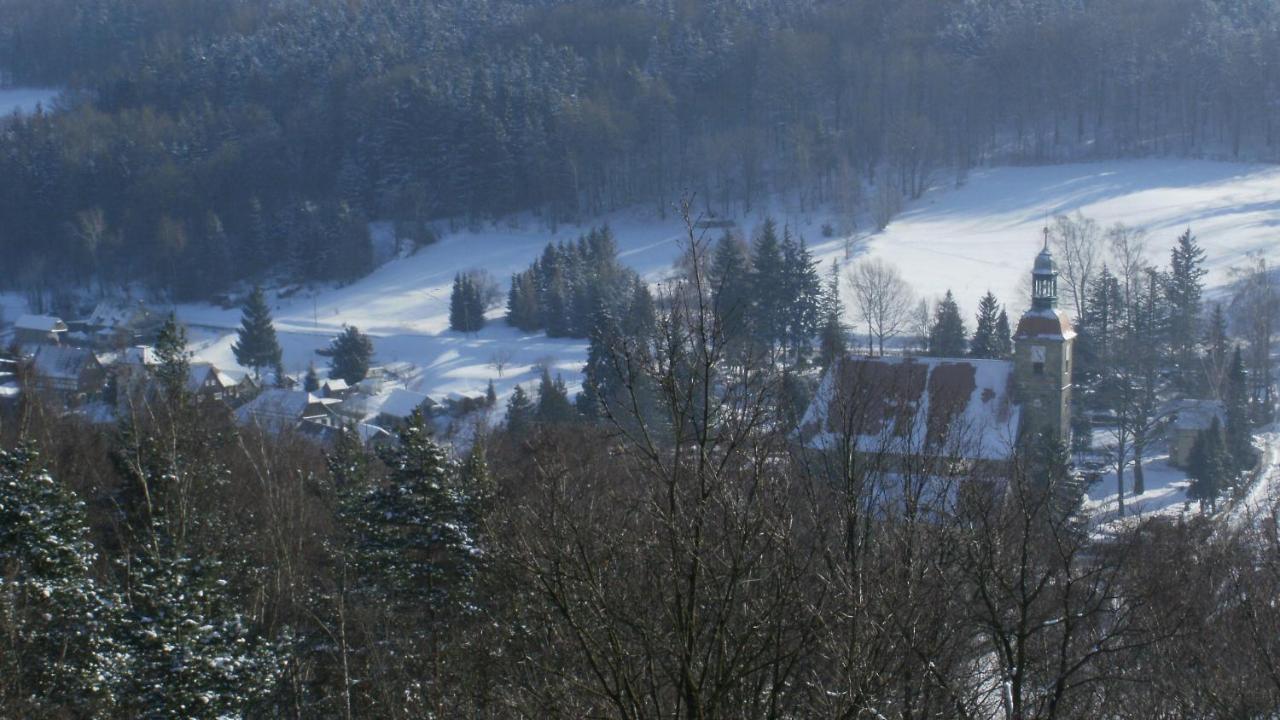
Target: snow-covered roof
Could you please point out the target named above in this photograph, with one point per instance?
(906, 406)
(278, 405)
(401, 403)
(40, 323)
(335, 385)
(1197, 415)
(62, 363)
(200, 372)
(140, 355)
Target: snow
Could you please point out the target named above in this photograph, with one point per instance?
(1165, 495)
(23, 100)
(985, 235)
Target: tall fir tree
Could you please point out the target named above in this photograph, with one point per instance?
(520, 413)
(832, 340)
(256, 346)
(1184, 287)
(553, 400)
(466, 306)
(352, 354)
(1208, 466)
(311, 383)
(1216, 356)
(947, 334)
(768, 313)
(1004, 336)
(173, 370)
(729, 275)
(801, 294)
(986, 338)
(1239, 435)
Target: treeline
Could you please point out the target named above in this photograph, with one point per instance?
(677, 555)
(464, 111)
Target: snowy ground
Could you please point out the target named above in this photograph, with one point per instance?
(25, 100)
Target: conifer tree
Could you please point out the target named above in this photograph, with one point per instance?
(352, 353)
(523, 308)
(1184, 287)
(832, 342)
(1208, 466)
(947, 334)
(490, 395)
(730, 279)
(1216, 360)
(801, 294)
(311, 383)
(1004, 337)
(257, 346)
(553, 400)
(1239, 438)
(768, 314)
(520, 413)
(466, 306)
(57, 627)
(986, 338)
(174, 369)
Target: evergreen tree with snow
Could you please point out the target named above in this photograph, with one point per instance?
(256, 346)
(57, 652)
(352, 353)
(523, 308)
(947, 334)
(986, 336)
(174, 368)
(415, 533)
(1216, 357)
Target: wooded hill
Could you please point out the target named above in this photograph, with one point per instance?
(208, 141)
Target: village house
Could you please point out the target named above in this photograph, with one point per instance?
(964, 409)
(38, 330)
(280, 409)
(208, 382)
(1188, 418)
(71, 374)
(400, 405)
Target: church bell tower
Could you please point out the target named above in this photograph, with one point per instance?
(1042, 347)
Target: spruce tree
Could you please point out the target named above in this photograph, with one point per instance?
(1239, 438)
(312, 381)
(174, 369)
(768, 314)
(986, 337)
(1208, 466)
(730, 279)
(1184, 287)
(947, 334)
(1004, 336)
(466, 306)
(1216, 360)
(520, 413)
(801, 294)
(57, 627)
(553, 400)
(352, 353)
(832, 341)
(257, 346)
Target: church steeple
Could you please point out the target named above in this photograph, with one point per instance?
(1044, 279)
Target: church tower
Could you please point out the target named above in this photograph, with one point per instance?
(1042, 347)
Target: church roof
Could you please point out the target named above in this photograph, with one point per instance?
(907, 406)
(1047, 324)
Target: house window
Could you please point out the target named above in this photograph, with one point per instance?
(1037, 368)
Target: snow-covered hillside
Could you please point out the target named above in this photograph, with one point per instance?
(980, 236)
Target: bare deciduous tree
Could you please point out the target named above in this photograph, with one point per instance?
(885, 300)
(1076, 241)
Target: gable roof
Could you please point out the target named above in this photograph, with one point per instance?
(40, 323)
(904, 406)
(1052, 324)
(335, 385)
(57, 362)
(401, 403)
(201, 372)
(276, 406)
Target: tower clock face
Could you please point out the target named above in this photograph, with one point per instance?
(1037, 353)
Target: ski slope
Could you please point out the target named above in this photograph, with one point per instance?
(981, 236)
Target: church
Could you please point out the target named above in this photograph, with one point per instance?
(964, 409)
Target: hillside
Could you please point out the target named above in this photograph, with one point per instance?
(978, 237)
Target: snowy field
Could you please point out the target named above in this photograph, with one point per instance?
(25, 100)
